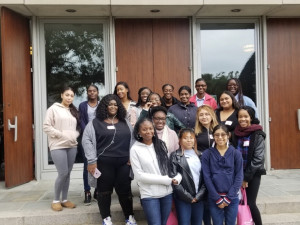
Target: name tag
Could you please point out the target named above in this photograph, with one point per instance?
(111, 127)
(246, 143)
(228, 122)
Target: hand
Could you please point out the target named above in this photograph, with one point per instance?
(194, 200)
(245, 184)
(225, 204)
(128, 163)
(221, 206)
(174, 181)
(147, 105)
(91, 168)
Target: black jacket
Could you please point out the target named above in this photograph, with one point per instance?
(256, 155)
(186, 191)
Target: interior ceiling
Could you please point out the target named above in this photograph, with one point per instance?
(165, 11)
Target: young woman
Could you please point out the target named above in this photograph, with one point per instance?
(153, 100)
(149, 161)
(168, 99)
(227, 111)
(159, 116)
(143, 94)
(123, 92)
(201, 97)
(235, 87)
(87, 111)
(61, 125)
(223, 175)
(189, 195)
(184, 110)
(249, 139)
(106, 141)
(205, 122)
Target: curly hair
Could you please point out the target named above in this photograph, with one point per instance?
(159, 146)
(101, 111)
(124, 84)
(251, 113)
(235, 104)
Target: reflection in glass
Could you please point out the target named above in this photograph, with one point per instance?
(227, 51)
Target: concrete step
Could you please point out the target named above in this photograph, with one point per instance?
(281, 219)
(279, 204)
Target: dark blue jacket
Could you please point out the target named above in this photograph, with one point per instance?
(185, 113)
(84, 118)
(223, 175)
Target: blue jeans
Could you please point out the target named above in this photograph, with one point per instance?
(189, 213)
(157, 210)
(229, 213)
(85, 171)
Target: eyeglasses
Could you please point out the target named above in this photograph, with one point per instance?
(159, 118)
(220, 135)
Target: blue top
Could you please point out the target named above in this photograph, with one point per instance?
(185, 113)
(248, 102)
(223, 175)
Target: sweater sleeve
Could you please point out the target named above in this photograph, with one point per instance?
(142, 176)
(238, 177)
(214, 195)
(89, 143)
(48, 125)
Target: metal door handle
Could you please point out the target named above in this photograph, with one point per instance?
(15, 126)
(298, 115)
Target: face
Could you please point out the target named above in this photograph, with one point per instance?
(155, 100)
(244, 118)
(146, 131)
(67, 97)
(225, 101)
(92, 93)
(201, 87)
(232, 87)
(220, 137)
(187, 141)
(112, 108)
(168, 92)
(204, 117)
(144, 95)
(122, 91)
(159, 120)
(184, 97)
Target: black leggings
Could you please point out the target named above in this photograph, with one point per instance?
(252, 191)
(115, 174)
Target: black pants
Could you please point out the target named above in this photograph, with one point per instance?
(115, 174)
(252, 191)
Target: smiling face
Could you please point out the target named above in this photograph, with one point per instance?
(232, 87)
(67, 98)
(226, 101)
(204, 118)
(146, 131)
(92, 93)
(144, 95)
(112, 108)
(244, 118)
(122, 91)
(159, 120)
(220, 137)
(168, 92)
(184, 97)
(201, 87)
(187, 141)
(155, 100)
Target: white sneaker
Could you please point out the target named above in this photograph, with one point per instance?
(107, 221)
(130, 221)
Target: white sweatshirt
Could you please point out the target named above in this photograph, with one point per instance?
(60, 126)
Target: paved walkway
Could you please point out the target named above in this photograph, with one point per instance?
(279, 193)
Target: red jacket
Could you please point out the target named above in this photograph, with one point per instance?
(209, 100)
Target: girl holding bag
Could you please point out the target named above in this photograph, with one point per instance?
(249, 139)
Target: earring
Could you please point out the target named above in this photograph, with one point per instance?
(213, 144)
(139, 136)
(227, 144)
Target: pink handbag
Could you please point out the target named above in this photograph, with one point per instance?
(244, 215)
(172, 220)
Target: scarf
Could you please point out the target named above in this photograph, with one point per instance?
(246, 131)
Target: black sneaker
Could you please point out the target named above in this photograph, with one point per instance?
(96, 195)
(87, 198)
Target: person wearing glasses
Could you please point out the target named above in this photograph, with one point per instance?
(223, 175)
(235, 87)
(159, 116)
(201, 97)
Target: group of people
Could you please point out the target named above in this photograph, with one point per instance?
(192, 152)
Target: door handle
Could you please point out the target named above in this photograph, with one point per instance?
(15, 126)
(298, 115)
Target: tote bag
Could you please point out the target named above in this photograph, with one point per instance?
(244, 215)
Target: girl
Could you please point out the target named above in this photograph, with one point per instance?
(223, 174)
(168, 99)
(60, 124)
(249, 139)
(143, 94)
(191, 191)
(149, 161)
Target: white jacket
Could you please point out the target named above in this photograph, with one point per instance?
(146, 171)
(60, 126)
